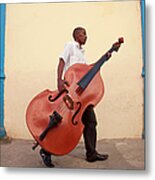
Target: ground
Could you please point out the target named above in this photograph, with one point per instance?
(123, 154)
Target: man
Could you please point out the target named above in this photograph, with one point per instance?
(73, 53)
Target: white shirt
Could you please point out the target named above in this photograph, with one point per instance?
(72, 54)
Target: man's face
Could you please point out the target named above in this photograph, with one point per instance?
(81, 37)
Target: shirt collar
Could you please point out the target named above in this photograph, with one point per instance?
(78, 46)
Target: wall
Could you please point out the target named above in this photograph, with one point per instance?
(36, 35)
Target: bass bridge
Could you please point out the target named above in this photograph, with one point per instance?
(69, 102)
(71, 105)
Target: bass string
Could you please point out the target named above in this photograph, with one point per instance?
(62, 108)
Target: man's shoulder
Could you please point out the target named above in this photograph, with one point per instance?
(69, 44)
(72, 43)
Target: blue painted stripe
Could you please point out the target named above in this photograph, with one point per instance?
(2, 76)
(144, 59)
(143, 34)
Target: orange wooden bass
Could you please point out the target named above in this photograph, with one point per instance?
(54, 118)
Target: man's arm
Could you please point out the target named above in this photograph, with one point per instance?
(60, 81)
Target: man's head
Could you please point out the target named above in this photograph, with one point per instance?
(79, 35)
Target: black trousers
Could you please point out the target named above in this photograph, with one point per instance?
(89, 133)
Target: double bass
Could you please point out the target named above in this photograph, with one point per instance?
(54, 118)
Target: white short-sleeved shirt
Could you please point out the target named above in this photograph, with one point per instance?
(72, 54)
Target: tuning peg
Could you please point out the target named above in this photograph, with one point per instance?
(121, 40)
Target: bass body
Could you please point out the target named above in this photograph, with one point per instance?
(54, 118)
(70, 105)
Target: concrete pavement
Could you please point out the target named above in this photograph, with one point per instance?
(124, 154)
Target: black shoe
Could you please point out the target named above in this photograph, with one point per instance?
(98, 157)
(46, 157)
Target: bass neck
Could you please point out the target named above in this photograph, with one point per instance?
(87, 78)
